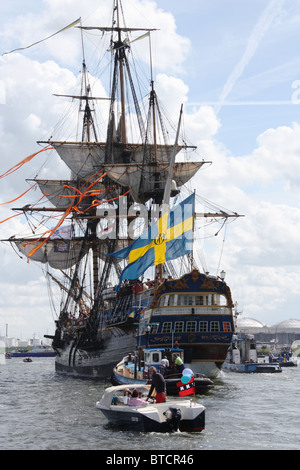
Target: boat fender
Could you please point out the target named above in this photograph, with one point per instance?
(173, 417)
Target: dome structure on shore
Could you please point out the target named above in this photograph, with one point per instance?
(249, 324)
(286, 326)
(284, 332)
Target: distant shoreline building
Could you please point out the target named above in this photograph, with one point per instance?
(11, 342)
(283, 333)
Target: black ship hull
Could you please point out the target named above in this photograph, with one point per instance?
(204, 358)
(97, 361)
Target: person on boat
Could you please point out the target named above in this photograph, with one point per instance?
(159, 384)
(271, 358)
(164, 364)
(127, 396)
(135, 400)
(137, 287)
(285, 359)
(179, 363)
(149, 284)
(287, 356)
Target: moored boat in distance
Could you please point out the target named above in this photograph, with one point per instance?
(37, 351)
(122, 252)
(242, 357)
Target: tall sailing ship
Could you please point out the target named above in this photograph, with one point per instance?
(121, 286)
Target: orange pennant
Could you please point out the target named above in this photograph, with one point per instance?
(27, 159)
(19, 197)
(16, 215)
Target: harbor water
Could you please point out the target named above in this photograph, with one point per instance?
(41, 410)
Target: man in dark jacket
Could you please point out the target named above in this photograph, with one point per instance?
(159, 384)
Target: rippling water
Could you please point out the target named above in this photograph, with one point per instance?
(42, 410)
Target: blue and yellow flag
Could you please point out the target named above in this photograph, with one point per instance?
(168, 238)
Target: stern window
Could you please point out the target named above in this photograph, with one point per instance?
(154, 328)
(190, 326)
(199, 300)
(167, 327)
(214, 326)
(178, 327)
(226, 326)
(203, 326)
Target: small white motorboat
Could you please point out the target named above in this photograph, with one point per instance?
(176, 414)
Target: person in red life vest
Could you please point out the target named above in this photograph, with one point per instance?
(159, 384)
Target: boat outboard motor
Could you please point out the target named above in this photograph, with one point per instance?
(173, 417)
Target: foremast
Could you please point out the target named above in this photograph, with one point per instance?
(90, 241)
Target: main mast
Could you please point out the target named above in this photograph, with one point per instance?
(120, 57)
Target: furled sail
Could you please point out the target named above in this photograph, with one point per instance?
(61, 192)
(84, 158)
(126, 167)
(59, 253)
(87, 158)
(147, 180)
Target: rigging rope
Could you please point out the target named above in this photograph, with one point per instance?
(223, 243)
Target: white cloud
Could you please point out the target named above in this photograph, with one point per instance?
(202, 124)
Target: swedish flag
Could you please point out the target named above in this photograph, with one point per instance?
(168, 238)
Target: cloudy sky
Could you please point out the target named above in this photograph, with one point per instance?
(235, 64)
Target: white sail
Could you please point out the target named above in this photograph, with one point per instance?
(84, 159)
(150, 178)
(60, 254)
(61, 192)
